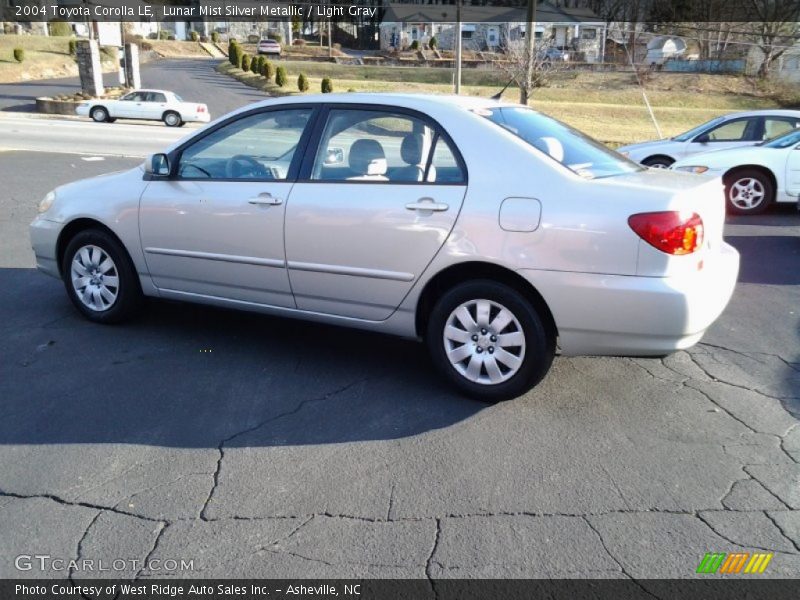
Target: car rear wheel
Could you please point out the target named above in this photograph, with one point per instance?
(748, 192)
(489, 341)
(100, 279)
(658, 162)
(172, 119)
(99, 114)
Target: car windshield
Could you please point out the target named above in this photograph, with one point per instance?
(783, 141)
(686, 136)
(576, 151)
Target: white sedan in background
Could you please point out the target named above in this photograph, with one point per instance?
(754, 176)
(730, 131)
(150, 105)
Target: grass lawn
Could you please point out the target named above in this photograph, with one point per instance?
(607, 106)
(45, 58)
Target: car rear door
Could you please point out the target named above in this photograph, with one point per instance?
(154, 106)
(373, 206)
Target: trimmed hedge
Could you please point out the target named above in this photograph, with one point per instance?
(268, 70)
(327, 85)
(302, 82)
(245, 64)
(281, 77)
(19, 54)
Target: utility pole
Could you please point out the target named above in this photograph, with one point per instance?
(458, 47)
(330, 39)
(530, 51)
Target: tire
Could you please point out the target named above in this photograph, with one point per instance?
(110, 296)
(748, 192)
(99, 114)
(516, 367)
(172, 119)
(658, 162)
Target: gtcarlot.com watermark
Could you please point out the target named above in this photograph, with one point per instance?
(45, 562)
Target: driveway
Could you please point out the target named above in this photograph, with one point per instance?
(262, 447)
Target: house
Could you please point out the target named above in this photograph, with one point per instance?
(492, 27)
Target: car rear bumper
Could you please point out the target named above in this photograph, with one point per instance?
(637, 316)
(197, 118)
(44, 236)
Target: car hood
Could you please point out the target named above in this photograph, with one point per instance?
(104, 182)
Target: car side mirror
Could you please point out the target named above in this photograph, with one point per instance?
(703, 138)
(157, 164)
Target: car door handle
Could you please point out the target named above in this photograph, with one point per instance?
(427, 204)
(265, 199)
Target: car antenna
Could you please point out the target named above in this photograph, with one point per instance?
(499, 95)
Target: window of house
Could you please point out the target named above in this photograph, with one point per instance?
(588, 34)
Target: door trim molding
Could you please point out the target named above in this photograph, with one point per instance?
(352, 271)
(232, 258)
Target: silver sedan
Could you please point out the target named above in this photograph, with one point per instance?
(493, 232)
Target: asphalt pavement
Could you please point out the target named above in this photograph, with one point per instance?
(265, 447)
(194, 80)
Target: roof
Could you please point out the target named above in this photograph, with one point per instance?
(446, 13)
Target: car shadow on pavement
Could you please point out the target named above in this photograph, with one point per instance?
(190, 376)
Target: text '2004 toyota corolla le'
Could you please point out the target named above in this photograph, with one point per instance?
(487, 229)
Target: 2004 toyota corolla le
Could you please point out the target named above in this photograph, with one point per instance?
(487, 229)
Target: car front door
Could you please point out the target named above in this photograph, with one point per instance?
(129, 106)
(744, 131)
(215, 227)
(374, 204)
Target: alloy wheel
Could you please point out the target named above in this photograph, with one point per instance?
(484, 342)
(747, 193)
(95, 278)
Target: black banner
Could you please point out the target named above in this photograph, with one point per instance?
(707, 588)
(411, 11)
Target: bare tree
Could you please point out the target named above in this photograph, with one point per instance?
(775, 31)
(529, 71)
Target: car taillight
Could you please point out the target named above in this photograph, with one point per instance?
(672, 232)
(201, 108)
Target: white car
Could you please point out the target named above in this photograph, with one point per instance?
(269, 47)
(730, 131)
(151, 105)
(491, 231)
(754, 176)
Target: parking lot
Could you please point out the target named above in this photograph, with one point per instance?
(260, 447)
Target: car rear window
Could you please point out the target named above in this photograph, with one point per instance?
(573, 149)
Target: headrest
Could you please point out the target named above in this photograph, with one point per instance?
(367, 158)
(411, 148)
(551, 146)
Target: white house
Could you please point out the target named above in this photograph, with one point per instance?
(491, 27)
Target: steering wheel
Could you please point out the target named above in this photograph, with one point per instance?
(237, 167)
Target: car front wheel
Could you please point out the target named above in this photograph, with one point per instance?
(172, 119)
(99, 114)
(488, 340)
(99, 277)
(748, 192)
(658, 162)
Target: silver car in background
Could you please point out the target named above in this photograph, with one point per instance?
(491, 231)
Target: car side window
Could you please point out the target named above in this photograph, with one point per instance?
(134, 97)
(775, 126)
(156, 97)
(444, 165)
(258, 147)
(737, 130)
(376, 146)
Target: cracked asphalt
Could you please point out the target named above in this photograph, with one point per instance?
(259, 447)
